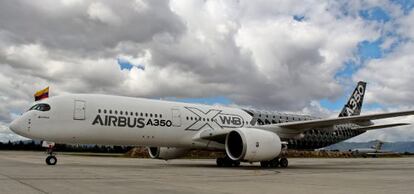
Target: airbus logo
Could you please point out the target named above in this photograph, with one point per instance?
(213, 119)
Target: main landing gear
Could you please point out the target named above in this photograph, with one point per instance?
(227, 162)
(277, 162)
(51, 158)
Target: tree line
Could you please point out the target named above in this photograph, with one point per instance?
(32, 145)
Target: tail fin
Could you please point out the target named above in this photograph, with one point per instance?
(378, 145)
(354, 104)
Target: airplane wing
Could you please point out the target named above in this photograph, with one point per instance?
(322, 123)
(294, 128)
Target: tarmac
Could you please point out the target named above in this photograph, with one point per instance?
(26, 172)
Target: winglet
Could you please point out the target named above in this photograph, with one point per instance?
(354, 104)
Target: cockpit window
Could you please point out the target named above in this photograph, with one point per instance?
(41, 107)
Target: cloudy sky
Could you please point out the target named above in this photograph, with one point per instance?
(295, 56)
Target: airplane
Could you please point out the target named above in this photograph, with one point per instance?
(171, 129)
(373, 151)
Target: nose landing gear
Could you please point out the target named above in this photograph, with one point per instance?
(51, 158)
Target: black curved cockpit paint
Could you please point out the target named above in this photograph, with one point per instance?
(40, 107)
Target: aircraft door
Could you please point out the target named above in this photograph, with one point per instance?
(79, 110)
(176, 117)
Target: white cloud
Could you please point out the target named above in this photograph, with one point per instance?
(140, 5)
(102, 13)
(252, 52)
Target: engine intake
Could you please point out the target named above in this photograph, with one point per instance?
(252, 145)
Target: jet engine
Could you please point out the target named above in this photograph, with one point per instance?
(166, 153)
(252, 145)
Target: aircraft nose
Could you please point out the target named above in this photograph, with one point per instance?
(16, 126)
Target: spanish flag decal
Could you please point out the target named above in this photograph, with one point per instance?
(41, 94)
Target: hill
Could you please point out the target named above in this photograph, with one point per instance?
(399, 147)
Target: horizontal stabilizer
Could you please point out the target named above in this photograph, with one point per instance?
(380, 126)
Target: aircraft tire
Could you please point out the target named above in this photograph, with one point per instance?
(264, 164)
(228, 163)
(51, 160)
(274, 163)
(220, 162)
(284, 162)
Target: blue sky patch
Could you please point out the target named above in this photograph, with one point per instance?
(369, 50)
(298, 18)
(125, 64)
(406, 5)
(334, 105)
(349, 69)
(375, 14)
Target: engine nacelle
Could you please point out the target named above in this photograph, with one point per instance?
(252, 145)
(167, 153)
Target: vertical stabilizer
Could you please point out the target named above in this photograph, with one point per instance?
(378, 145)
(354, 104)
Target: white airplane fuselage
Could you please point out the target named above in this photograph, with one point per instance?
(115, 120)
